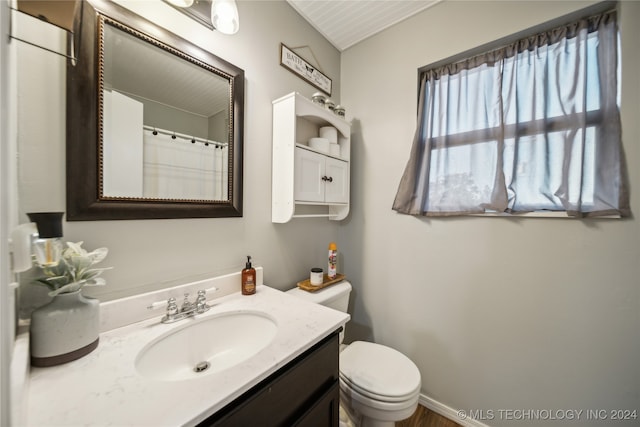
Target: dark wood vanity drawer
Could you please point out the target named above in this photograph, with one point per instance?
(303, 393)
(325, 411)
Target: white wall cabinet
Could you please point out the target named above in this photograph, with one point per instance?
(305, 182)
(319, 178)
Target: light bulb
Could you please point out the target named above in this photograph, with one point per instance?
(181, 3)
(224, 16)
(47, 251)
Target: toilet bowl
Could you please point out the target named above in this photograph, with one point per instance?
(378, 385)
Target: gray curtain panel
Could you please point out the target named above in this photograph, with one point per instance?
(531, 126)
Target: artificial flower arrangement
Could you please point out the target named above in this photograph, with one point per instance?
(74, 271)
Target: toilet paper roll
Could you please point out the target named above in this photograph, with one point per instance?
(320, 144)
(330, 133)
(334, 149)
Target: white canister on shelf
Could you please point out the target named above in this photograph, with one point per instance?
(330, 133)
(318, 98)
(330, 105)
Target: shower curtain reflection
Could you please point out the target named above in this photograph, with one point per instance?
(176, 168)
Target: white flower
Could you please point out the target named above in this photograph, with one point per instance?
(74, 271)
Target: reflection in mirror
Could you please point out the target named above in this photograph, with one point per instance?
(165, 123)
(154, 123)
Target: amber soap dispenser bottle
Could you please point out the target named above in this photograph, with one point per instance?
(248, 278)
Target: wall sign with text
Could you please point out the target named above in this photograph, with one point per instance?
(304, 70)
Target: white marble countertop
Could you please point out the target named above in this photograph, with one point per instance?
(104, 388)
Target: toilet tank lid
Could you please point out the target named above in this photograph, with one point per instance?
(324, 295)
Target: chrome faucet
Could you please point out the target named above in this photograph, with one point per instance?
(188, 308)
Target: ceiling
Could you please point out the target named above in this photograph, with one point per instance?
(347, 22)
(198, 91)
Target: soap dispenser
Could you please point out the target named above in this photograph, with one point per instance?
(248, 278)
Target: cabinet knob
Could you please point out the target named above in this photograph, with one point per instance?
(330, 179)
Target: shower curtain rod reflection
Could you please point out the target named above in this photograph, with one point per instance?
(192, 139)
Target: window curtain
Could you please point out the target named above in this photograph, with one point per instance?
(531, 126)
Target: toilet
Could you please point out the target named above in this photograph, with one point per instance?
(378, 385)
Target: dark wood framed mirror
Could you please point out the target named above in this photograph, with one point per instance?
(154, 123)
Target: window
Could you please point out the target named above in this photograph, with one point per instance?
(532, 126)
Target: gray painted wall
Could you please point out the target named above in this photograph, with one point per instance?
(147, 254)
(497, 313)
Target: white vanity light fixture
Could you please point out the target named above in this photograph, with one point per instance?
(41, 237)
(181, 3)
(224, 16)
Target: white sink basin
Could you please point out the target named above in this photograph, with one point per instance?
(206, 346)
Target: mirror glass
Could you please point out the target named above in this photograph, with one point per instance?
(154, 123)
(165, 123)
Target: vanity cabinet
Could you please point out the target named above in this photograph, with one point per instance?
(306, 182)
(303, 393)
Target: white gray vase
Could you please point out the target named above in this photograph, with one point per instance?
(65, 329)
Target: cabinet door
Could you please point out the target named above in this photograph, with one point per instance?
(304, 393)
(325, 412)
(309, 170)
(337, 185)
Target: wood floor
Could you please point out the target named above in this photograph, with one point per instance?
(424, 417)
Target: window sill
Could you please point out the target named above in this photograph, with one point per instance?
(538, 214)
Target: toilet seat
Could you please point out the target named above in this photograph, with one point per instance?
(379, 373)
(376, 397)
(386, 412)
(379, 405)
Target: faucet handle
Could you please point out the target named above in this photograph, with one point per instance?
(172, 312)
(160, 304)
(202, 294)
(156, 305)
(201, 302)
(172, 307)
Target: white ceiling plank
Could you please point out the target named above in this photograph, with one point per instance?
(345, 23)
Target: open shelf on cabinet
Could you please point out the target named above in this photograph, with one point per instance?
(295, 120)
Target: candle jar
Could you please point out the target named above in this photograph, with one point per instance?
(316, 276)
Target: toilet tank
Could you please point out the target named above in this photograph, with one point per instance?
(334, 296)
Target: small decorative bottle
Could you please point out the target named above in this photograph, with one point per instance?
(333, 261)
(248, 278)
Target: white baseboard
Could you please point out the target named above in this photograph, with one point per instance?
(448, 412)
